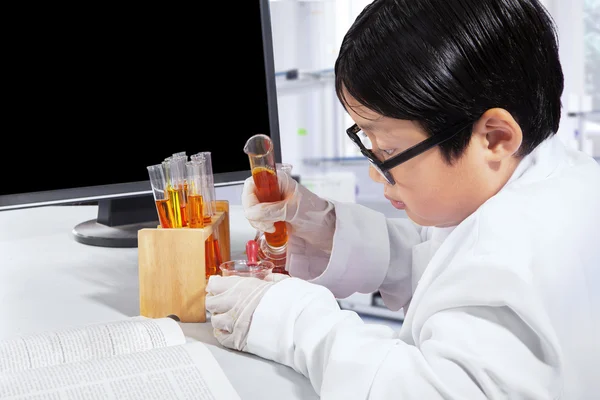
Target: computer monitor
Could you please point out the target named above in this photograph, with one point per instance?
(97, 92)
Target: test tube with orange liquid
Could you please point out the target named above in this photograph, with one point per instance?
(212, 244)
(204, 158)
(259, 149)
(212, 198)
(175, 168)
(210, 207)
(264, 172)
(158, 183)
(195, 200)
(181, 158)
(173, 195)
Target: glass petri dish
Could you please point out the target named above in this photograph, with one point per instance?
(241, 268)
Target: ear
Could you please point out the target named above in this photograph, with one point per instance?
(498, 134)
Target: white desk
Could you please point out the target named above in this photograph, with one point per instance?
(49, 281)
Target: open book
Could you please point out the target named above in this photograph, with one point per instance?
(136, 358)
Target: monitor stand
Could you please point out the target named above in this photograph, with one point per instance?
(118, 222)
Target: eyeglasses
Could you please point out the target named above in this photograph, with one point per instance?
(384, 167)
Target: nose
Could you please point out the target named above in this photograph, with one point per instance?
(375, 175)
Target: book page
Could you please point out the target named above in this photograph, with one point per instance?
(88, 342)
(183, 372)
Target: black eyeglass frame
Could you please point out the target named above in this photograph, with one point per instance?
(384, 167)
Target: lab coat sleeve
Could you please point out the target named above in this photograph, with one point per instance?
(363, 258)
(459, 347)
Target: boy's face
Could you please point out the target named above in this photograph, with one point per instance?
(432, 192)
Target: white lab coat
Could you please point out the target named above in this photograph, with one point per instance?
(504, 306)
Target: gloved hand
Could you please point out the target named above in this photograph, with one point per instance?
(309, 216)
(232, 300)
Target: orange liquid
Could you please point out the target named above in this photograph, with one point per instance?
(210, 260)
(267, 190)
(165, 213)
(184, 219)
(218, 258)
(207, 217)
(195, 213)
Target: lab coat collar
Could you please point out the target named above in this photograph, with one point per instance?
(539, 164)
(439, 234)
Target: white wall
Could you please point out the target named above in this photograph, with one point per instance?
(307, 36)
(568, 16)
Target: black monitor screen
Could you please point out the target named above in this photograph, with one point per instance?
(95, 92)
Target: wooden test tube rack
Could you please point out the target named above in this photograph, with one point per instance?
(171, 267)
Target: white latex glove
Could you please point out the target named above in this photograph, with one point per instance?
(232, 300)
(308, 216)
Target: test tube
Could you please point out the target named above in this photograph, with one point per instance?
(210, 207)
(195, 188)
(175, 175)
(180, 175)
(259, 149)
(182, 158)
(213, 247)
(158, 182)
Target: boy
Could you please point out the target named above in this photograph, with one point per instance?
(497, 267)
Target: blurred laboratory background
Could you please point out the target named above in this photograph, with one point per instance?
(306, 38)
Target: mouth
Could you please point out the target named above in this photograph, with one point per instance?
(396, 203)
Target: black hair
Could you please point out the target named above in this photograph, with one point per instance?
(443, 63)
